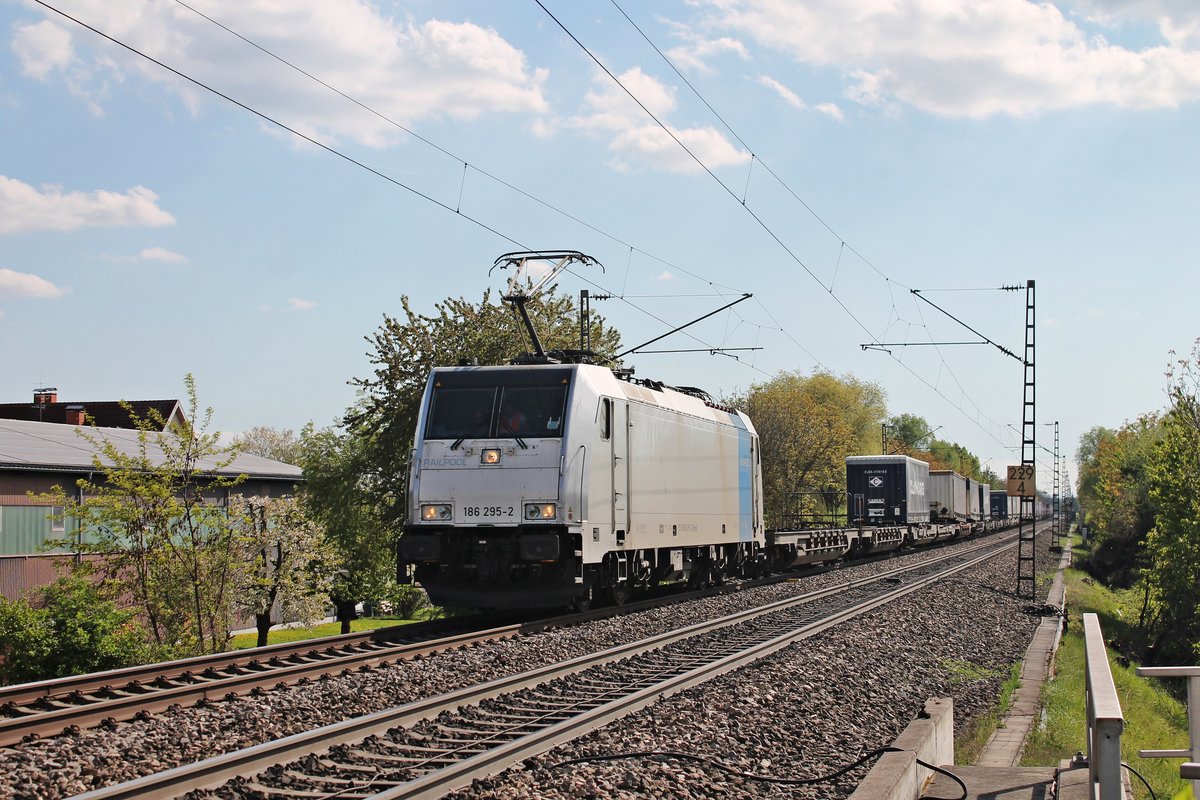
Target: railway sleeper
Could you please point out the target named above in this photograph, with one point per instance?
(338, 766)
(473, 734)
(281, 791)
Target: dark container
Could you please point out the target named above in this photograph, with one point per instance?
(887, 490)
(999, 503)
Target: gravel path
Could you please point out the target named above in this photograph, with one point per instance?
(70, 765)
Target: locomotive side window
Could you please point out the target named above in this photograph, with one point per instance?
(605, 419)
(461, 413)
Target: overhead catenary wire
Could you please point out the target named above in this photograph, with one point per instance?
(755, 157)
(700, 162)
(277, 123)
(328, 148)
(468, 166)
(467, 163)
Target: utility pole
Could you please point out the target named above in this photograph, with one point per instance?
(1056, 503)
(1025, 475)
(1026, 538)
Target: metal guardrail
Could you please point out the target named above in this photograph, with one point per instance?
(1189, 771)
(1105, 722)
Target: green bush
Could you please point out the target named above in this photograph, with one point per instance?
(68, 629)
(407, 600)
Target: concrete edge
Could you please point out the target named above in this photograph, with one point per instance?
(930, 738)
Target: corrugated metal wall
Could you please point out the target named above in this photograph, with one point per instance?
(16, 486)
(19, 574)
(24, 529)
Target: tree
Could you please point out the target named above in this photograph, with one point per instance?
(1125, 506)
(405, 349)
(807, 425)
(286, 564)
(907, 433)
(1087, 457)
(154, 515)
(278, 444)
(68, 629)
(951, 455)
(1173, 546)
(342, 494)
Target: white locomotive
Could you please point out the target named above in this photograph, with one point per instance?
(550, 484)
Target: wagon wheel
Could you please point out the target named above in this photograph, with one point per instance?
(583, 601)
(620, 592)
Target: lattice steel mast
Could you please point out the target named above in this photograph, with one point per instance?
(1026, 538)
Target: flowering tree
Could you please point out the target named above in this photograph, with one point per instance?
(285, 563)
(154, 512)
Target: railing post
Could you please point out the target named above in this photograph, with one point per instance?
(1105, 722)
(1188, 771)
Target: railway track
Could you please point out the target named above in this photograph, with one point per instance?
(63, 705)
(427, 748)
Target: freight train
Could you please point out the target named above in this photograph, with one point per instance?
(545, 485)
(554, 480)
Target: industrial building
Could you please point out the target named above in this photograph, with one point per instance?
(37, 456)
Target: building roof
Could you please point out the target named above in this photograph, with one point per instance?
(47, 446)
(107, 413)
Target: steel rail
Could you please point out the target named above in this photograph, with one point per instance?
(51, 707)
(26, 693)
(48, 708)
(214, 772)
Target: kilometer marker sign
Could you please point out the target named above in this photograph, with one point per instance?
(1020, 481)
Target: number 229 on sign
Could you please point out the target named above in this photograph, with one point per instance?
(1020, 481)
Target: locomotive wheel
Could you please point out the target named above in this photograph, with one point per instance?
(620, 592)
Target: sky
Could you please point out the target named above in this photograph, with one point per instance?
(826, 157)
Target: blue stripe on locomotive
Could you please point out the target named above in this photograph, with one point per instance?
(745, 482)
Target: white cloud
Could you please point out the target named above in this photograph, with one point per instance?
(695, 53)
(795, 101)
(162, 254)
(23, 284)
(1178, 22)
(665, 275)
(296, 304)
(609, 111)
(980, 58)
(831, 110)
(24, 208)
(404, 69)
(789, 97)
(42, 48)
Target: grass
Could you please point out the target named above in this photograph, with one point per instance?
(1153, 718)
(969, 746)
(281, 635)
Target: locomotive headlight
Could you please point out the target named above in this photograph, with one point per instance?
(541, 510)
(490, 455)
(435, 511)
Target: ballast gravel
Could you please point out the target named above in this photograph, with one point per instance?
(809, 705)
(806, 711)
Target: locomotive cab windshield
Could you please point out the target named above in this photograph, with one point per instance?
(498, 404)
